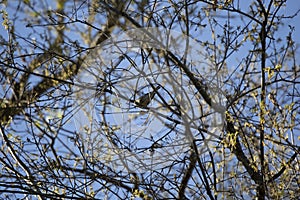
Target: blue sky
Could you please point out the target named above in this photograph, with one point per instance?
(292, 7)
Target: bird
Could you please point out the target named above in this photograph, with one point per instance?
(272, 98)
(145, 100)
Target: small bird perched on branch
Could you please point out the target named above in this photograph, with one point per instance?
(145, 100)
